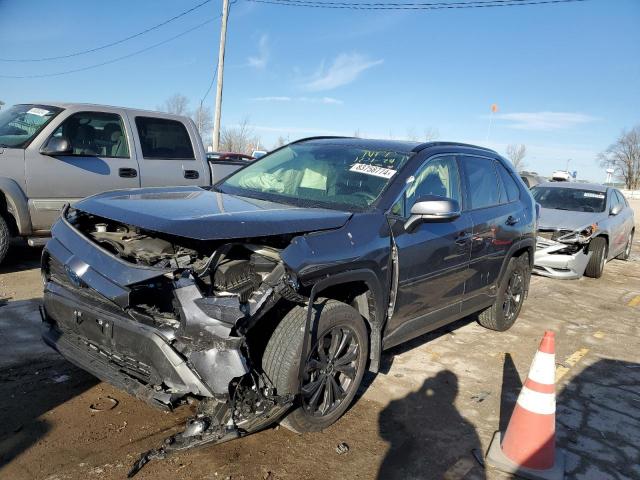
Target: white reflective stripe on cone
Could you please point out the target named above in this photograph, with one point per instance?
(543, 368)
(535, 402)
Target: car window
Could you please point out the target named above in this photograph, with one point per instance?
(164, 139)
(481, 181)
(526, 181)
(95, 134)
(512, 190)
(621, 199)
(21, 123)
(439, 176)
(319, 174)
(570, 199)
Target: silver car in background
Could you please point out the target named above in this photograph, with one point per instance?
(581, 226)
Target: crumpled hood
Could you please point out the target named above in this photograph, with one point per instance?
(193, 212)
(551, 218)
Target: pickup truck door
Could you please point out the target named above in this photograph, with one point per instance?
(433, 257)
(100, 159)
(169, 151)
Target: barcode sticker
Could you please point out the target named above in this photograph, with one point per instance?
(373, 170)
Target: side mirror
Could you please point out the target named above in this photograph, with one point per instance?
(615, 210)
(56, 146)
(432, 208)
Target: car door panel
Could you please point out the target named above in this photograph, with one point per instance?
(432, 257)
(53, 181)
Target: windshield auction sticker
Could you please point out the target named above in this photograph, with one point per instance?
(593, 195)
(41, 112)
(373, 170)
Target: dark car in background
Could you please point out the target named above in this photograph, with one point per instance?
(581, 227)
(268, 296)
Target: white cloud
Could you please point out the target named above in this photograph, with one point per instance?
(260, 61)
(544, 120)
(321, 100)
(345, 69)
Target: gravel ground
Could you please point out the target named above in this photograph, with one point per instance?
(431, 411)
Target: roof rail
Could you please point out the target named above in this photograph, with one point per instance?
(422, 146)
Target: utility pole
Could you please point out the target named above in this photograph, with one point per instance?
(218, 112)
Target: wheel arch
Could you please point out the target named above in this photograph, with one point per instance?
(14, 206)
(369, 302)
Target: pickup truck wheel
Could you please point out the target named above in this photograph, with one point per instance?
(627, 249)
(333, 368)
(598, 249)
(5, 237)
(505, 310)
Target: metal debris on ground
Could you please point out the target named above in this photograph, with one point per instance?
(342, 448)
(103, 404)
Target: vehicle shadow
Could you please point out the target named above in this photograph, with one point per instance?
(21, 257)
(428, 437)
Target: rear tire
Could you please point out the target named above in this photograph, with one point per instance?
(5, 238)
(627, 249)
(341, 340)
(505, 310)
(598, 249)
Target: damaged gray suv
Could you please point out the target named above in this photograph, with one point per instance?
(267, 296)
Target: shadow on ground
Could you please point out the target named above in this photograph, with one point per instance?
(21, 257)
(426, 433)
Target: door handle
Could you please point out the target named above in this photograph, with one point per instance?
(512, 220)
(128, 172)
(463, 238)
(191, 174)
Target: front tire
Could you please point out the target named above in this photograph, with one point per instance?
(5, 238)
(334, 365)
(505, 310)
(598, 249)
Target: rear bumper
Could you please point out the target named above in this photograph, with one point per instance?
(548, 263)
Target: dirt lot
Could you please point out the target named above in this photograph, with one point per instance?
(437, 402)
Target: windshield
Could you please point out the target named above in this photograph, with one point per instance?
(326, 175)
(21, 123)
(572, 199)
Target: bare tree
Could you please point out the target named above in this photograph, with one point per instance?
(356, 133)
(430, 134)
(623, 157)
(203, 120)
(240, 138)
(2, 104)
(177, 104)
(516, 154)
(281, 141)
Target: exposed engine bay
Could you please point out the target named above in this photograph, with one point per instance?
(203, 298)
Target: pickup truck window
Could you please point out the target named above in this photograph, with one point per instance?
(95, 134)
(163, 139)
(21, 123)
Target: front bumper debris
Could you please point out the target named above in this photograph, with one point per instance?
(559, 260)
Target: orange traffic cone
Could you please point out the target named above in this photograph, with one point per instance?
(528, 448)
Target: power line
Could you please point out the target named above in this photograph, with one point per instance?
(114, 60)
(411, 6)
(117, 42)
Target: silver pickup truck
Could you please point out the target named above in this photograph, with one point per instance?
(56, 153)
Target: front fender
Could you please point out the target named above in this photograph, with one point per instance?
(17, 204)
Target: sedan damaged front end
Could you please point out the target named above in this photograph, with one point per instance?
(563, 253)
(167, 318)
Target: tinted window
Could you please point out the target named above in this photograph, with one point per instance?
(512, 190)
(621, 199)
(438, 177)
(164, 139)
(526, 181)
(481, 181)
(95, 134)
(571, 199)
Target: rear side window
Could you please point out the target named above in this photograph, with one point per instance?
(621, 199)
(163, 139)
(510, 186)
(481, 181)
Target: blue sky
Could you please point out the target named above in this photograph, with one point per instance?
(566, 77)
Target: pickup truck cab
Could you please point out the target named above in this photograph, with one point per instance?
(56, 153)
